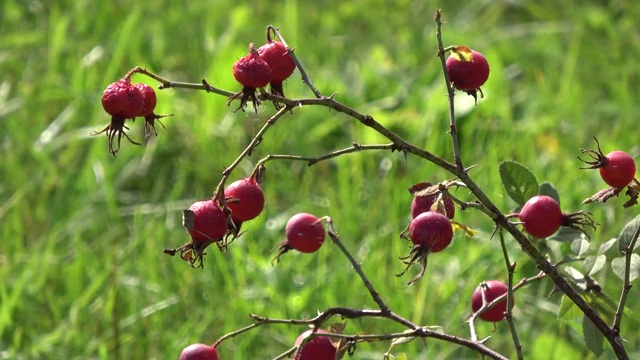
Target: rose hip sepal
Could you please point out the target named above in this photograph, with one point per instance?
(206, 223)
(251, 72)
(304, 233)
(122, 101)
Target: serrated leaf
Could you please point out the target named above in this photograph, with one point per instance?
(626, 235)
(607, 245)
(580, 246)
(404, 339)
(592, 336)
(519, 182)
(619, 267)
(593, 264)
(568, 309)
(574, 273)
(546, 188)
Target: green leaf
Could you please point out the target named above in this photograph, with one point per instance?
(580, 246)
(592, 336)
(593, 264)
(626, 235)
(567, 234)
(568, 309)
(546, 188)
(518, 181)
(404, 339)
(619, 267)
(606, 246)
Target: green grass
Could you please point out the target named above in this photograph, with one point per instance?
(83, 274)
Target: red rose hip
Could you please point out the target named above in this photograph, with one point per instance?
(541, 216)
(199, 352)
(468, 70)
(318, 348)
(245, 199)
(210, 222)
(431, 230)
(493, 289)
(122, 100)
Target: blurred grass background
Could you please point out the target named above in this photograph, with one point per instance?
(82, 233)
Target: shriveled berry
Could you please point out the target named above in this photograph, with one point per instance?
(252, 71)
(431, 230)
(245, 199)
(318, 348)
(122, 100)
(210, 222)
(541, 216)
(150, 99)
(199, 352)
(493, 289)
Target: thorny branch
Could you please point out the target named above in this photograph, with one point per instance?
(398, 143)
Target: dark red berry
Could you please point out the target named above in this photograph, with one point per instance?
(617, 169)
(422, 204)
(541, 216)
(279, 60)
(431, 230)
(199, 352)
(493, 289)
(150, 99)
(468, 70)
(122, 100)
(210, 222)
(252, 72)
(318, 348)
(304, 232)
(245, 199)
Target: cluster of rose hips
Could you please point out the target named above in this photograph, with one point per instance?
(209, 222)
(270, 64)
(430, 229)
(126, 101)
